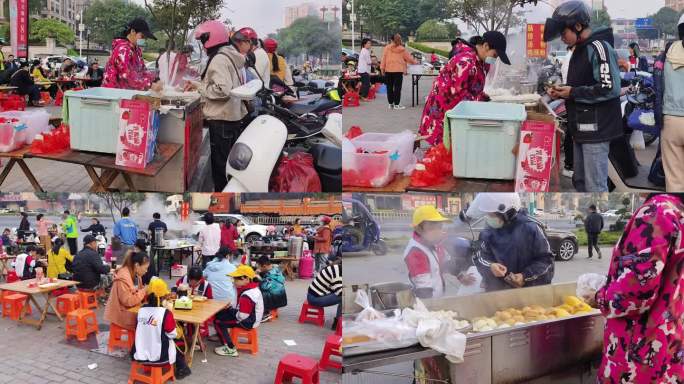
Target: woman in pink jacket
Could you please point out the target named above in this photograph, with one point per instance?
(393, 66)
(643, 298)
(125, 68)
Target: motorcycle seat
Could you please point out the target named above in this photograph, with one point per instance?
(315, 106)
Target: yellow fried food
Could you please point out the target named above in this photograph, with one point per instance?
(572, 301)
(560, 312)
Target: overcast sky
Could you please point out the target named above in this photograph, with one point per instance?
(627, 9)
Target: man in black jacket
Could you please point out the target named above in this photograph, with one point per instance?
(592, 92)
(25, 85)
(593, 225)
(88, 265)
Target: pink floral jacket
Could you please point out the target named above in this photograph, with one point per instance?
(643, 299)
(126, 68)
(462, 78)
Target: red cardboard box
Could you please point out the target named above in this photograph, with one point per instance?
(138, 126)
(535, 156)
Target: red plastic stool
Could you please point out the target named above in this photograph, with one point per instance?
(294, 365)
(67, 303)
(351, 99)
(332, 347)
(88, 299)
(81, 323)
(372, 91)
(12, 305)
(45, 97)
(274, 314)
(252, 339)
(338, 330)
(59, 98)
(312, 314)
(117, 340)
(150, 374)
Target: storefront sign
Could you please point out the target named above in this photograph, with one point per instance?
(411, 202)
(19, 27)
(536, 47)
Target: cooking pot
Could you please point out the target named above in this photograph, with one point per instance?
(393, 295)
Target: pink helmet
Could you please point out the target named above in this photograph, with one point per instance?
(270, 45)
(246, 33)
(211, 33)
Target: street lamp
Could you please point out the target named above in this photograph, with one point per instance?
(88, 45)
(81, 27)
(352, 18)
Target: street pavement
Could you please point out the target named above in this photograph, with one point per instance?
(42, 357)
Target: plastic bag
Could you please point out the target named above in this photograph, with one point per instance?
(588, 284)
(353, 132)
(55, 141)
(296, 173)
(434, 168)
(368, 312)
(636, 140)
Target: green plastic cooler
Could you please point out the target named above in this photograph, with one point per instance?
(94, 117)
(483, 134)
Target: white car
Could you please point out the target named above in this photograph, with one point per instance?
(251, 231)
(610, 213)
(4, 211)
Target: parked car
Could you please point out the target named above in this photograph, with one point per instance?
(4, 211)
(351, 54)
(564, 244)
(610, 213)
(252, 232)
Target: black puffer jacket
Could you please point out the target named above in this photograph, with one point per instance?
(87, 268)
(593, 223)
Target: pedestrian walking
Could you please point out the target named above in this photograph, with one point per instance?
(393, 66)
(593, 225)
(322, 243)
(70, 229)
(127, 232)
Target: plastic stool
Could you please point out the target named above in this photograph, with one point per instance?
(252, 343)
(274, 314)
(67, 303)
(45, 97)
(150, 374)
(86, 302)
(351, 99)
(332, 348)
(294, 365)
(372, 91)
(59, 98)
(312, 314)
(338, 330)
(12, 305)
(115, 338)
(81, 323)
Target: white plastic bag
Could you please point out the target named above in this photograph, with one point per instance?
(473, 288)
(368, 313)
(588, 284)
(636, 140)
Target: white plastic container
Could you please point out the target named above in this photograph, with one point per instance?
(364, 169)
(398, 145)
(12, 136)
(483, 136)
(37, 122)
(415, 69)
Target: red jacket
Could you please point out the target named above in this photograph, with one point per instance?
(228, 236)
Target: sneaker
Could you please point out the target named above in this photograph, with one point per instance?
(182, 373)
(399, 106)
(224, 350)
(266, 318)
(391, 106)
(568, 172)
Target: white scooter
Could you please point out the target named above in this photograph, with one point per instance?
(101, 243)
(258, 149)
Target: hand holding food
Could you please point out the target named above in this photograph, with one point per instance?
(499, 270)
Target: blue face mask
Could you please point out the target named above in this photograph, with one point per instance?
(141, 42)
(490, 60)
(494, 222)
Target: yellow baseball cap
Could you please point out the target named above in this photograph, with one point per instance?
(427, 213)
(243, 270)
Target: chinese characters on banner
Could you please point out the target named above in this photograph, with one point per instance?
(536, 47)
(19, 27)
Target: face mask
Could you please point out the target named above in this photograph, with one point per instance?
(494, 222)
(141, 42)
(490, 60)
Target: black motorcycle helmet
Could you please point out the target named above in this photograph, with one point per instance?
(566, 15)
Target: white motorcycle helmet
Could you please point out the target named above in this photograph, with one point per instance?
(507, 204)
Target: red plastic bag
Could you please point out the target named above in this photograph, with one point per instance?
(296, 173)
(55, 141)
(353, 132)
(435, 167)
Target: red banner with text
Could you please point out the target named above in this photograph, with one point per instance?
(536, 47)
(19, 27)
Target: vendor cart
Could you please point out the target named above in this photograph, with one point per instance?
(534, 351)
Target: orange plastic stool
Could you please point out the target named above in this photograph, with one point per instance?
(312, 314)
(67, 303)
(12, 305)
(274, 314)
(252, 337)
(45, 97)
(351, 99)
(116, 339)
(88, 299)
(338, 330)
(81, 323)
(150, 374)
(332, 348)
(294, 365)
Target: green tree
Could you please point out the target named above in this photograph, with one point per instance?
(600, 18)
(107, 18)
(309, 36)
(666, 20)
(432, 30)
(116, 202)
(386, 17)
(489, 15)
(40, 29)
(176, 18)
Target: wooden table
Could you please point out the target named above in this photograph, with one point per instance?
(4, 264)
(60, 82)
(23, 288)
(17, 157)
(107, 163)
(7, 89)
(198, 315)
(287, 267)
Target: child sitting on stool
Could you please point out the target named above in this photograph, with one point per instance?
(247, 313)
